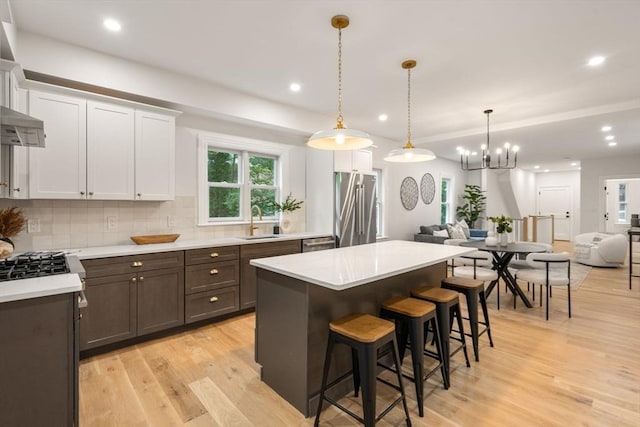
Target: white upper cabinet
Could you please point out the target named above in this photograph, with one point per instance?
(110, 151)
(353, 161)
(58, 171)
(155, 156)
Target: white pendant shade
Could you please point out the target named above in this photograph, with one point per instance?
(340, 139)
(409, 155)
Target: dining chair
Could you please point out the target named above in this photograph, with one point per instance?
(519, 262)
(548, 269)
(476, 265)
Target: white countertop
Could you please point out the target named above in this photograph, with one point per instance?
(179, 245)
(15, 290)
(344, 268)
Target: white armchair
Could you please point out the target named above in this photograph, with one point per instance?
(600, 249)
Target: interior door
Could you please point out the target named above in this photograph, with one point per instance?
(557, 201)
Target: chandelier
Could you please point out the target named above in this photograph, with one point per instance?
(508, 161)
(408, 152)
(339, 138)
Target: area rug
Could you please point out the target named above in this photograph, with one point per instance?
(579, 272)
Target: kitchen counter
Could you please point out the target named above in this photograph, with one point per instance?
(298, 295)
(351, 266)
(180, 245)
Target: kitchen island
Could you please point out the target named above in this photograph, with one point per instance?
(298, 295)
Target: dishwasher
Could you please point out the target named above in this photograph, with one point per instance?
(318, 244)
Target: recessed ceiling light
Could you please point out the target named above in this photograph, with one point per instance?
(605, 128)
(295, 87)
(613, 144)
(609, 137)
(596, 60)
(474, 153)
(459, 149)
(383, 117)
(536, 167)
(574, 164)
(546, 170)
(111, 24)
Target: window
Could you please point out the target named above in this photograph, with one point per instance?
(622, 204)
(379, 212)
(445, 201)
(236, 174)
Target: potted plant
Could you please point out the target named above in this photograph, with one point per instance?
(475, 202)
(12, 222)
(503, 226)
(289, 205)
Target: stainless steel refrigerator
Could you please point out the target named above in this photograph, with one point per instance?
(355, 217)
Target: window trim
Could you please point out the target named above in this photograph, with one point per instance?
(624, 202)
(449, 202)
(246, 147)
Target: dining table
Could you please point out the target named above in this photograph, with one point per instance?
(502, 256)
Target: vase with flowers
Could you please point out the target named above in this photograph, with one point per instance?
(12, 221)
(287, 207)
(503, 226)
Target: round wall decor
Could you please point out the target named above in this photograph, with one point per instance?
(427, 188)
(409, 193)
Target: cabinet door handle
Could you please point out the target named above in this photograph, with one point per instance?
(214, 271)
(214, 255)
(141, 278)
(16, 189)
(134, 280)
(91, 193)
(139, 194)
(80, 316)
(213, 299)
(137, 264)
(82, 193)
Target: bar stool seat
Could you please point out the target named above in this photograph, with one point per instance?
(473, 290)
(447, 306)
(366, 335)
(412, 318)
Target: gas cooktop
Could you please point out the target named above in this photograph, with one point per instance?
(33, 264)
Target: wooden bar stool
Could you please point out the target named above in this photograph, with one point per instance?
(412, 318)
(366, 335)
(447, 305)
(473, 291)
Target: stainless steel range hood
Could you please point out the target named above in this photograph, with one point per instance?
(20, 129)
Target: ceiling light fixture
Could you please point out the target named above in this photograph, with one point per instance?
(605, 128)
(536, 167)
(609, 137)
(111, 24)
(574, 164)
(613, 144)
(295, 87)
(485, 163)
(383, 117)
(340, 138)
(596, 60)
(408, 152)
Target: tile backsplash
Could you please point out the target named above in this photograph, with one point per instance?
(65, 224)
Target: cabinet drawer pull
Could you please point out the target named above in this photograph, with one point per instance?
(214, 271)
(214, 255)
(137, 264)
(213, 299)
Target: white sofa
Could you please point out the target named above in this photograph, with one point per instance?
(600, 249)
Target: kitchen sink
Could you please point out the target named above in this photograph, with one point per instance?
(262, 236)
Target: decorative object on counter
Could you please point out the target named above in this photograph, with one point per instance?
(485, 161)
(339, 138)
(427, 188)
(635, 221)
(474, 204)
(491, 239)
(289, 205)
(155, 238)
(12, 221)
(408, 153)
(409, 193)
(503, 226)
(276, 229)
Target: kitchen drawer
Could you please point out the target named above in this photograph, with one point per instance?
(213, 275)
(205, 305)
(261, 250)
(101, 267)
(204, 255)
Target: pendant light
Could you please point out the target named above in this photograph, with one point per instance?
(409, 153)
(339, 138)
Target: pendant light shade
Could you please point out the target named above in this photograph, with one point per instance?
(409, 153)
(339, 138)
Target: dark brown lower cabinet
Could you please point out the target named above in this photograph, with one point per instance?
(39, 361)
(160, 300)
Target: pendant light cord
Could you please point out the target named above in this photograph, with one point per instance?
(340, 125)
(409, 106)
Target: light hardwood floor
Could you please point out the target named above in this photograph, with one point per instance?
(563, 372)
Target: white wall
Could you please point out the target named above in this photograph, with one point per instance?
(592, 196)
(524, 190)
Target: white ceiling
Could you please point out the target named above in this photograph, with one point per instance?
(525, 59)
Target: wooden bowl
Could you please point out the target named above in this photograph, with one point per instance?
(155, 238)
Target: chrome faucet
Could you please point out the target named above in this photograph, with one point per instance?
(251, 226)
